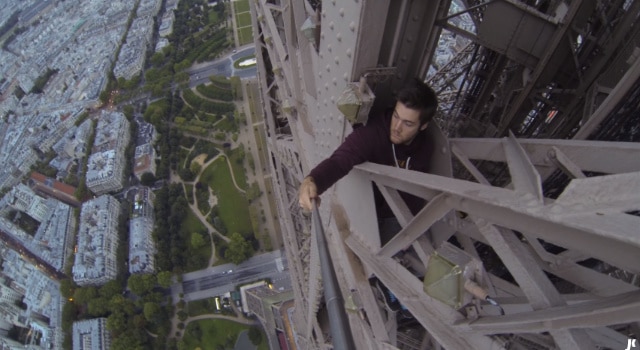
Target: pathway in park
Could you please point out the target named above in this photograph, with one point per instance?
(239, 319)
(194, 207)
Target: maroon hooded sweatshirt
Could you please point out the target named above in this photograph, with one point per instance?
(371, 143)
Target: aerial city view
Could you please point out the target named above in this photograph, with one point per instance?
(134, 213)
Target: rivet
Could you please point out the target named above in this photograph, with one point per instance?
(352, 26)
(331, 25)
(337, 60)
(341, 12)
(345, 76)
(349, 52)
(339, 37)
(328, 68)
(329, 47)
(335, 81)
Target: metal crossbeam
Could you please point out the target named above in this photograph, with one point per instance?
(618, 309)
(589, 220)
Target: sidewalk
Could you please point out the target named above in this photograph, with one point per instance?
(262, 172)
(234, 25)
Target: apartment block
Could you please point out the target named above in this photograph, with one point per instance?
(91, 335)
(107, 161)
(95, 262)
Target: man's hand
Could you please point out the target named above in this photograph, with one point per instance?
(308, 191)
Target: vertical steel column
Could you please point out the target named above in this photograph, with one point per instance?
(338, 322)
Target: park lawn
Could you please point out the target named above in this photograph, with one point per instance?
(233, 207)
(213, 17)
(201, 307)
(218, 334)
(243, 19)
(225, 125)
(245, 35)
(190, 224)
(241, 6)
(238, 168)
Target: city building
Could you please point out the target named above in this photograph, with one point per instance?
(145, 153)
(7, 294)
(106, 164)
(95, 261)
(142, 248)
(166, 24)
(522, 242)
(56, 189)
(91, 334)
(40, 294)
(22, 198)
(78, 41)
(273, 309)
(134, 49)
(51, 239)
(144, 160)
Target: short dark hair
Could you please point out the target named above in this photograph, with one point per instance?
(419, 96)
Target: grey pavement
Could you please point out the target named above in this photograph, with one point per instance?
(200, 73)
(261, 174)
(217, 280)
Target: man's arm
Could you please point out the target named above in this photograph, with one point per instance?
(357, 148)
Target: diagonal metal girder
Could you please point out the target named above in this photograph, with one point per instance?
(617, 309)
(605, 237)
(596, 156)
(534, 283)
(432, 212)
(524, 175)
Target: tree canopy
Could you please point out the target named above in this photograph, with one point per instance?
(239, 249)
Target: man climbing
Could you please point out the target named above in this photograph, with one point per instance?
(395, 138)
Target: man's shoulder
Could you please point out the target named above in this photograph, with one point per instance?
(367, 140)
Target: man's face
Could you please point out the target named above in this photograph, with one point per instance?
(405, 124)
